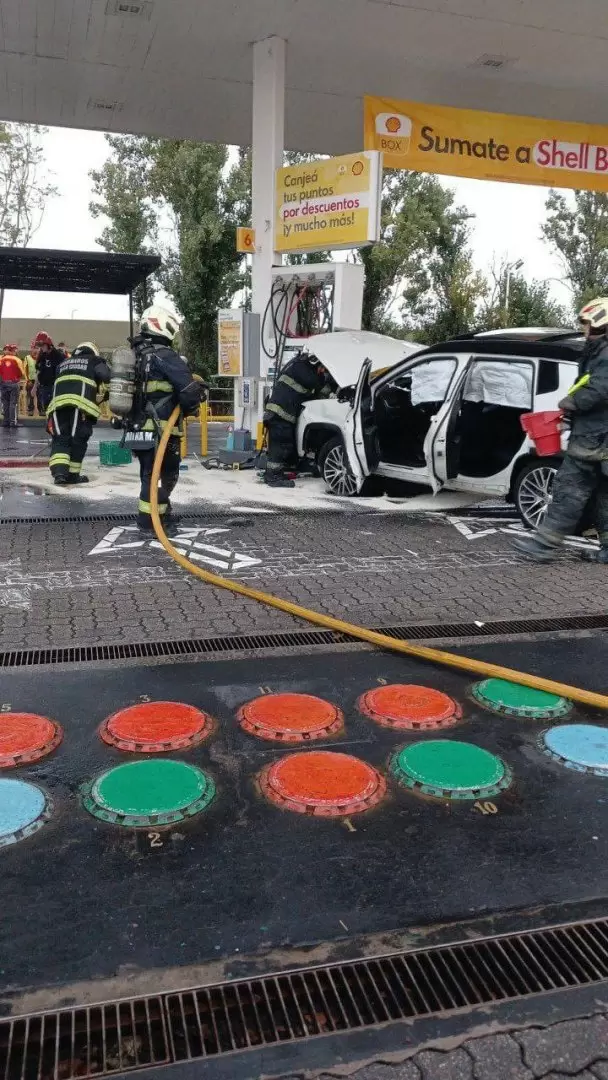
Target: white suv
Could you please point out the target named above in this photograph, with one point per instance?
(445, 417)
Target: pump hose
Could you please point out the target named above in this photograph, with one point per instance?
(361, 633)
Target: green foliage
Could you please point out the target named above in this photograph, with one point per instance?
(184, 199)
(577, 229)
(422, 258)
(24, 185)
(529, 303)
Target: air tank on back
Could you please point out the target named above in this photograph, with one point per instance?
(122, 383)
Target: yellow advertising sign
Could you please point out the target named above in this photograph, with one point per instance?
(328, 204)
(487, 146)
(245, 241)
(230, 342)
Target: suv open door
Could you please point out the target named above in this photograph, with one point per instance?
(359, 430)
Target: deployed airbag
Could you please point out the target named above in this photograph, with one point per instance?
(497, 383)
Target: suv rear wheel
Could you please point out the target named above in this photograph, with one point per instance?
(532, 490)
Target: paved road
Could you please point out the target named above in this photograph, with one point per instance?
(574, 1048)
(98, 582)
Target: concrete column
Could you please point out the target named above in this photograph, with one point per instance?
(267, 143)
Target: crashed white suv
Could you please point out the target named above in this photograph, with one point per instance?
(444, 417)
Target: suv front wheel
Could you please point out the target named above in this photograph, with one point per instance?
(335, 469)
(532, 490)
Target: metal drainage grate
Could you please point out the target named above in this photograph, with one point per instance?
(210, 1021)
(147, 650)
(492, 513)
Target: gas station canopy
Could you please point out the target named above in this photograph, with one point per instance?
(74, 271)
(183, 68)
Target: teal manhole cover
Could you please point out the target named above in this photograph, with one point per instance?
(157, 791)
(512, 699)
(450, 770)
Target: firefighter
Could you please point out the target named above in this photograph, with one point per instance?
(302, 379)
(166, 382)
(47, 362)
(79, 387)
(584, 471)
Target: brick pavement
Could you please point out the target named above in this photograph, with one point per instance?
(572, 1048)
(375, 570)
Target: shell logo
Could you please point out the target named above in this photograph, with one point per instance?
(395, 124)
(357, 168)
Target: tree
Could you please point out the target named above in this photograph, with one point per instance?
(24, 184)
(529, 303)
(185, 199)
(122, 186)
(422, 258)
(577, 229)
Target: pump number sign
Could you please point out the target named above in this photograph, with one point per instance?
(329, 204)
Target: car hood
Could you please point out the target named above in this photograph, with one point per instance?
(344, 352)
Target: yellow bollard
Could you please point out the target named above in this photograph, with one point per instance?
(183, 447)
(203, 415)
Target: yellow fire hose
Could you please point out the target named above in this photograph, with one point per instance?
(421, 652)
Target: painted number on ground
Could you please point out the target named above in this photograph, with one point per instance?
(486, 807)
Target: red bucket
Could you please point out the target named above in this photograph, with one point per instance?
(544, 428)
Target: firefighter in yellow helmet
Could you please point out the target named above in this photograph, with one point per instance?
(78, 390)
(584, 472)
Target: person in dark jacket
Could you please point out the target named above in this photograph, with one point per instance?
(303, 379)
(47, 362)
(166, 382)
(584, 472)
(80, 386)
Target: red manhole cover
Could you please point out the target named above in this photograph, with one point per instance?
(322, 783)
(290, 717)
(409, 707)
(26, 737)
(154, 727)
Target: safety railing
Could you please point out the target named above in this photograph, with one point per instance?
(203, 420)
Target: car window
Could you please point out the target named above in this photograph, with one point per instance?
(500, 382)
(428, 381)
(548, 377)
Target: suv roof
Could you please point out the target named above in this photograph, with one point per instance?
(565, 345)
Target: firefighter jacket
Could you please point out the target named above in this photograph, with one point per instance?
(47, 364)
(78, 384)
(589, 395)
(298, 382)
(167, 382)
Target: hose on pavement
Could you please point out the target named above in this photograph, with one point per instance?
(360, 633)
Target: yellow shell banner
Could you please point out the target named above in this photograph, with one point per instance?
(487, 146)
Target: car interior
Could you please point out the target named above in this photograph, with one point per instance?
(487, 433)
(404, 407)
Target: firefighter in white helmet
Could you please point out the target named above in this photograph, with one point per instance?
(584, 473)
(166, 381)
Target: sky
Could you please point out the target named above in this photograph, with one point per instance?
(506, 225)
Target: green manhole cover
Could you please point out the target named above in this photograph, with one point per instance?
(450, 770)
(149, 792)
(515, 700)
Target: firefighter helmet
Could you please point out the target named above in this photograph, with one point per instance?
(595, 313)
(159, 323)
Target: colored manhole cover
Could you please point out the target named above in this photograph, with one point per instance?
(155, 727)
(322, 783)
(515, 700)
(583, 747)
(290, 717)
(24, 809)
(409, 707)
(450, 770)
(155, 791)
(26, 737)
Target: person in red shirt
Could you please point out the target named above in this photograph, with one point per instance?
(11, 377)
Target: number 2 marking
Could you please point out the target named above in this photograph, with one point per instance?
(155, 839)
